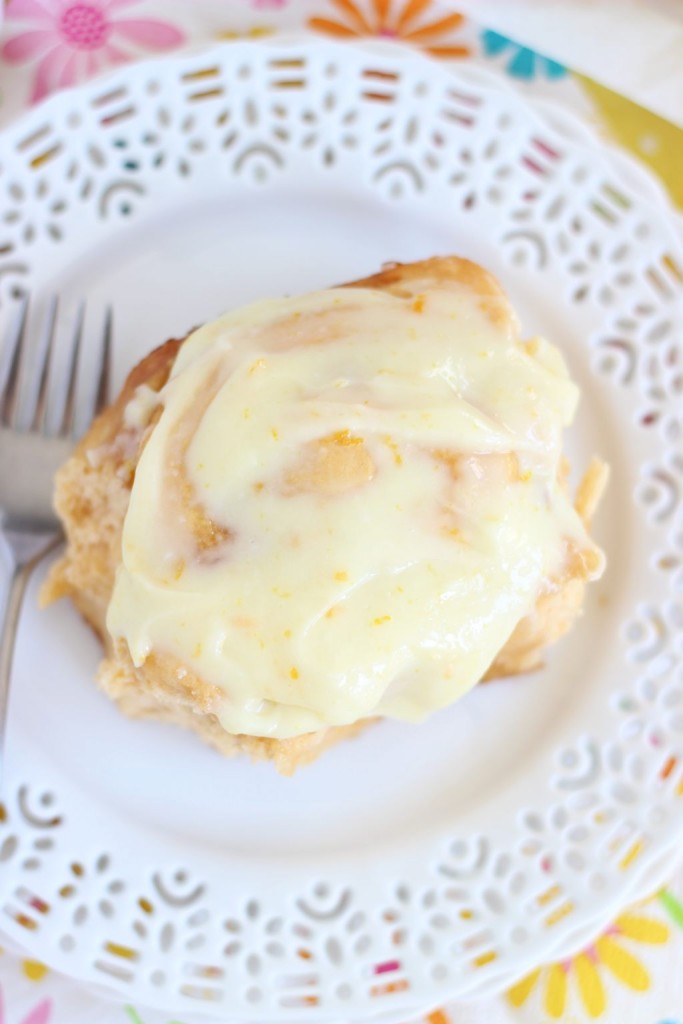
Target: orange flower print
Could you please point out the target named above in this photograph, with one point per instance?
(395, 19)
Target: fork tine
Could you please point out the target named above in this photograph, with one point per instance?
(69, 410)
(15, 346)
(102, 392)
(40, 408)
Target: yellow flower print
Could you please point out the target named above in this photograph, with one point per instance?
(394, 19)
(34, 970)
(584, 971)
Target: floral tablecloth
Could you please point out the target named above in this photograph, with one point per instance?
(633, 973)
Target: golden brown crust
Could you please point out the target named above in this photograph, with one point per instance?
(410, 279)
(91, 498)
(160, 699)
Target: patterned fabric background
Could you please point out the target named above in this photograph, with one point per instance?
(632, 973)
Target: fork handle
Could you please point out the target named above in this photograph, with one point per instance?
(25, 551)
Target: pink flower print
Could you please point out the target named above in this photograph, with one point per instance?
(40, 1014)
(268, 3)
(71, 41)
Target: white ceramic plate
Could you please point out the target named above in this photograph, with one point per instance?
(414, 864)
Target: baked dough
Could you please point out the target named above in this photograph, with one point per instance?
(92, 496)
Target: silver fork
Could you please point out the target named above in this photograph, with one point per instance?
(31, 449)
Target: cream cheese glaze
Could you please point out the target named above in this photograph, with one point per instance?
(347, 504)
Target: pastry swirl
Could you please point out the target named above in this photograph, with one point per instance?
(341, 506)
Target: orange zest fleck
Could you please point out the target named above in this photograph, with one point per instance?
(393, 448)
(343, 437)
(381, 620)
(293, 673)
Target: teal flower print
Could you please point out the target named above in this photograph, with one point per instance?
(522, 63)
